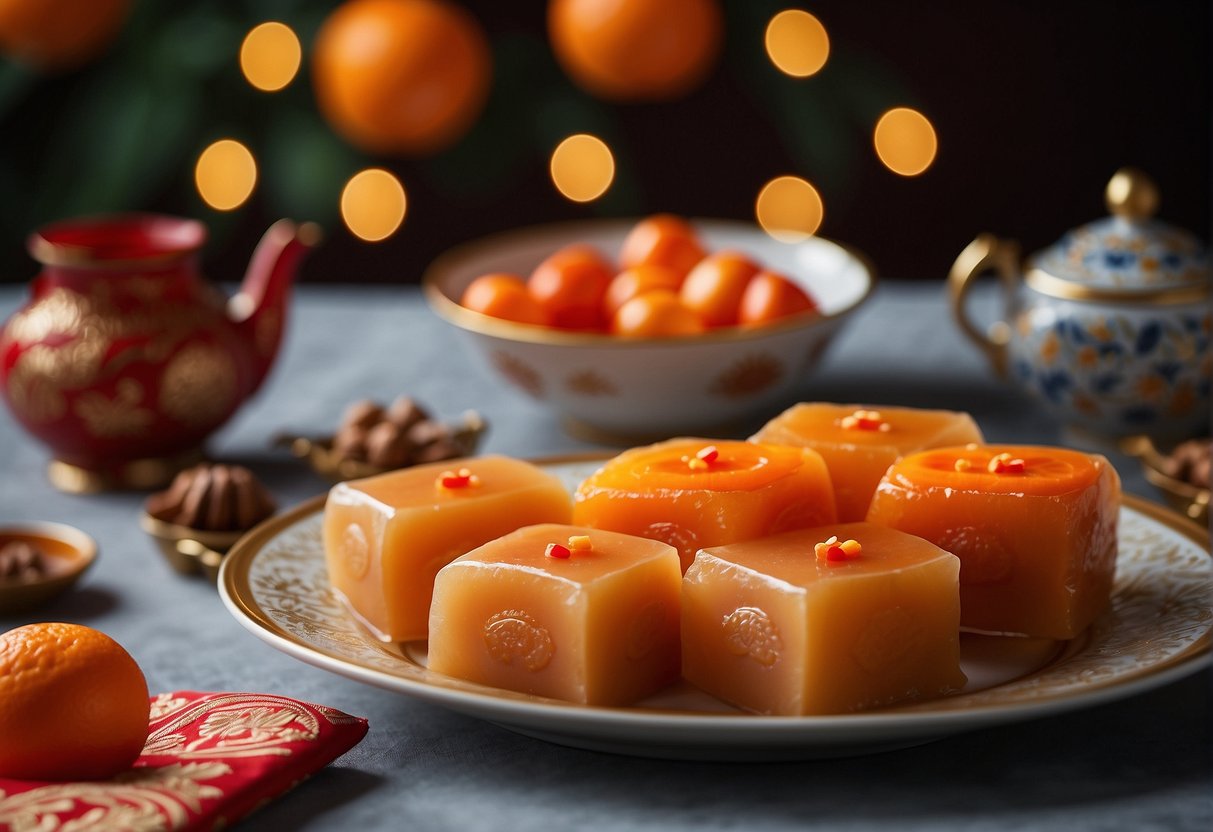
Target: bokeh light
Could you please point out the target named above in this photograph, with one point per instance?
(789, 209)
(905, 141)
(582, 167)
(270, 56)
(225, 174)
(373, 204)
(797, 43)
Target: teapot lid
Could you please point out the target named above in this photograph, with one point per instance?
(1129, 252)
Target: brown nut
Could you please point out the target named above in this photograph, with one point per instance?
(387, 446)
(405, 412)
(364, 414)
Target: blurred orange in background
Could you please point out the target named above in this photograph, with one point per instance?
(715, 286)
(637, 50)
(570, 285)
(401, 76)
(59, 34)
(662, 240)
(505, 296)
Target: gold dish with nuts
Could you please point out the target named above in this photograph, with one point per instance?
(372, 439)
(203, 513)
(38, 561)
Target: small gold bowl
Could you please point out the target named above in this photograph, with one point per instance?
(1191, 500)
(190, 551)
(69, 552)
(318, 451)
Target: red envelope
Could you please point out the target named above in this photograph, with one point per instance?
(210, 759)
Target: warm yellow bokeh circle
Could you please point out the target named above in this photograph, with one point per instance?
(789, 209)
(373, 204)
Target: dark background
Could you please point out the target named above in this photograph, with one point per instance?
(1035, 103)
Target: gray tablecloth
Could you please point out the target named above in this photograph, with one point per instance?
(1138, 764)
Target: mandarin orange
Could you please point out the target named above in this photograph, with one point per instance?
(570, 285)
(73, 704)
(59, 34)
(636, 49)
(715, 286)
(662, 240)
(503, 296)
(401, 76)
(658, 313)
(770, 296)
(636, 281)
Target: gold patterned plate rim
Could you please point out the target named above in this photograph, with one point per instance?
(1159, 629)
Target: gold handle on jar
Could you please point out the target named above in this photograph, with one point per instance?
(985, 253)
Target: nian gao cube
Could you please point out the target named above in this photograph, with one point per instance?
(859, 443)
(386, 537)
(831, 620)
(693, 493)
(1034, 528)
(561, 611)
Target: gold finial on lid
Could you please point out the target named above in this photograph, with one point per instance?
(1131, 194)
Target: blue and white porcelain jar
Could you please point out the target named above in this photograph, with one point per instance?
(1109, 328)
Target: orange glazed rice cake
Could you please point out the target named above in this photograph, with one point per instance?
(561, 611)
(830, 620)
(1034, 528)
(859, 443)
(386, 537)
(693, 493)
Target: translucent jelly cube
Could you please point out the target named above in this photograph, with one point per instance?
(774, 627)
(692, 493)
(598, 625)
(386, 537)
(859, 443)
(1034, 528)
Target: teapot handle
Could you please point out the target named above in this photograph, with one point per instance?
(979, 256)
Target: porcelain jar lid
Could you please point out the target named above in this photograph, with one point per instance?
(1129, 255)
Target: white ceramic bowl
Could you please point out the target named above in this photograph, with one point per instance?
(643, 388)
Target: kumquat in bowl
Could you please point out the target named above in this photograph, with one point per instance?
(633, 329)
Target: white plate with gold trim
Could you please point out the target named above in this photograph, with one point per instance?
(1159, 628)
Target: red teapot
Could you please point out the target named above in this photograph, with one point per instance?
(125, 359)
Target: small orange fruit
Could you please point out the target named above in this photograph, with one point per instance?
(570, 286)
(503, 296)
(59, 34)
(636, 49)
(73, 704)
(636, 281)
(401, 76)
(662, 240)
(656, 314)
(715, 286)
(770, 296)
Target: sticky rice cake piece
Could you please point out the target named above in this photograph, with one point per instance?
(386, 537)
(771, 627)
(858, 450)
(599, 627)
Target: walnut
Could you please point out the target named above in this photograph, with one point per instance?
(213, 498)
(396, 436)
(21, 560)
(1189, 462)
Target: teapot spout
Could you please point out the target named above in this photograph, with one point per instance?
(258, 310)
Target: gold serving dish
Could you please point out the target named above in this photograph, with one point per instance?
(65, 554)
(1191, 500)
(334, 466)
(190, 551)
